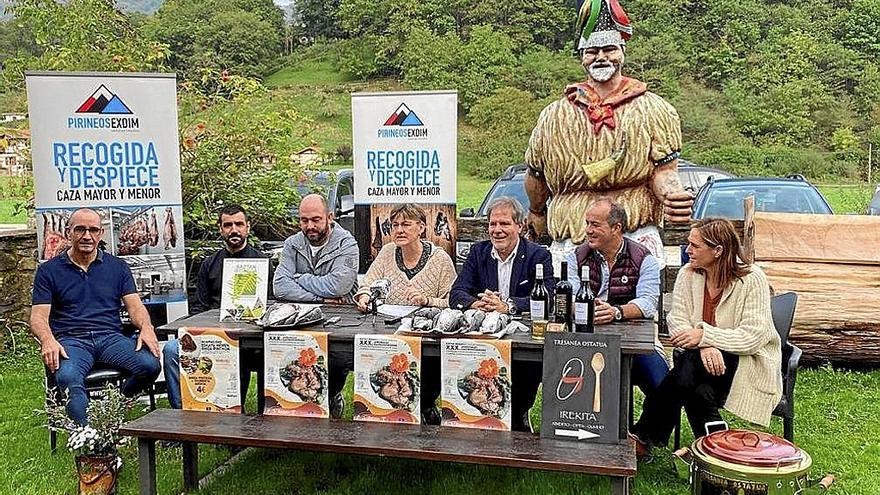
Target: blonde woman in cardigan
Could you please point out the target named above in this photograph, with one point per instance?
(732, 356)
(421, 274)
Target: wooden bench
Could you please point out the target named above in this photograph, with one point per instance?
(430, 443)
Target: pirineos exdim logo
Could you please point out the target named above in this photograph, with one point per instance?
(103, 109)
(403, 123)
(103, 101)
(572, 380)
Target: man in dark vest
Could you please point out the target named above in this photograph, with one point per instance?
(625, 278)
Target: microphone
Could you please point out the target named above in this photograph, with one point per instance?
(379, 290)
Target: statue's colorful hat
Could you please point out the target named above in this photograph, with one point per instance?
(602, 23)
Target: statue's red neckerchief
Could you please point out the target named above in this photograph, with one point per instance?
(600, 112)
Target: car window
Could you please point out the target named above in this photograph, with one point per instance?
(513, 188)
(726, 203)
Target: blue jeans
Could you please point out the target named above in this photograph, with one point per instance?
(648, 371)
(171, 357)
(109, 348)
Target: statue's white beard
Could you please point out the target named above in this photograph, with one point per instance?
(603, 73)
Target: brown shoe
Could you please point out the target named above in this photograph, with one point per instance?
(642, 449)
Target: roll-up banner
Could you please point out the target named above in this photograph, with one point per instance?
(108, 141)
(404, 147)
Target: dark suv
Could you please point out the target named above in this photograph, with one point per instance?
(337, 187)
(693, 176)
(510, 183)
(723, 198)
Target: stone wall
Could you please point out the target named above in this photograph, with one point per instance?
(17, 265)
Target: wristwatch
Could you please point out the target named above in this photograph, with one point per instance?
(511, 307)
(618, 313)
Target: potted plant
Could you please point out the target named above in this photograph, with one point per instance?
(95, 444)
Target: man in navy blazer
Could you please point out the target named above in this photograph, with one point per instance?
(498, 275)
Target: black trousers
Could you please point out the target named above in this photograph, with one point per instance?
(687, 385)
(526, 376)
(340, 364)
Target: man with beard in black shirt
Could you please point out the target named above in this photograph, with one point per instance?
(234, 229)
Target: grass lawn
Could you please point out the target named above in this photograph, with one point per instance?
(848, 198)
(471, 191)
(836, 423)
(310, 72)
(7, 212)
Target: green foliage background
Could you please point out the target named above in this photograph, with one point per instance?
(762, 87)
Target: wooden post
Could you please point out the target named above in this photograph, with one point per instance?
(190, 466)
(620, 485)
(748, 231)
(147, 466)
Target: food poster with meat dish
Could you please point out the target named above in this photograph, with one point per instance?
(245, 289)
(387, 378)
(476, 384)
(209, 369)
(108, 141)
(581, 384)
(297, 374)
(404, 150)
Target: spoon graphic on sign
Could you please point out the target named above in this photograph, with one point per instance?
(598, 365)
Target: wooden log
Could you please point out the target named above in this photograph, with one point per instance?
(677, 234)
(848, 239)
(837, 318)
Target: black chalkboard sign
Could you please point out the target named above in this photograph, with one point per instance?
(581, 387)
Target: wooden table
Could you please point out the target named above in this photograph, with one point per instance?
(512, 449)
(637, 337)
(424, 442)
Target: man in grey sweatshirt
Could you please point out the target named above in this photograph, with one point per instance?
(320, 264)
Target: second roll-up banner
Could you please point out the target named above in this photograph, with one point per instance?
(404, 147)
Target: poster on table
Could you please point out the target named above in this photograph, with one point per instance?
(108, 141)
(209, 369)
(404, 148)
(387, 378)
(476, 383)
(581, 400)
(245, 288)
(297, 374)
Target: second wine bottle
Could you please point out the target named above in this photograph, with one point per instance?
(562, 299)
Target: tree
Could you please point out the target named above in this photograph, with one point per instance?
(240, 35)
(236, 143)
(15, 41)
(80, 35)
(475, 67)
(317, 18)
(238, 41)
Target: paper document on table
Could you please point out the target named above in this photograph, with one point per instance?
(396, 310)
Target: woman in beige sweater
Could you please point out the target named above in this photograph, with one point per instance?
(732, 357)
(420, 273)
